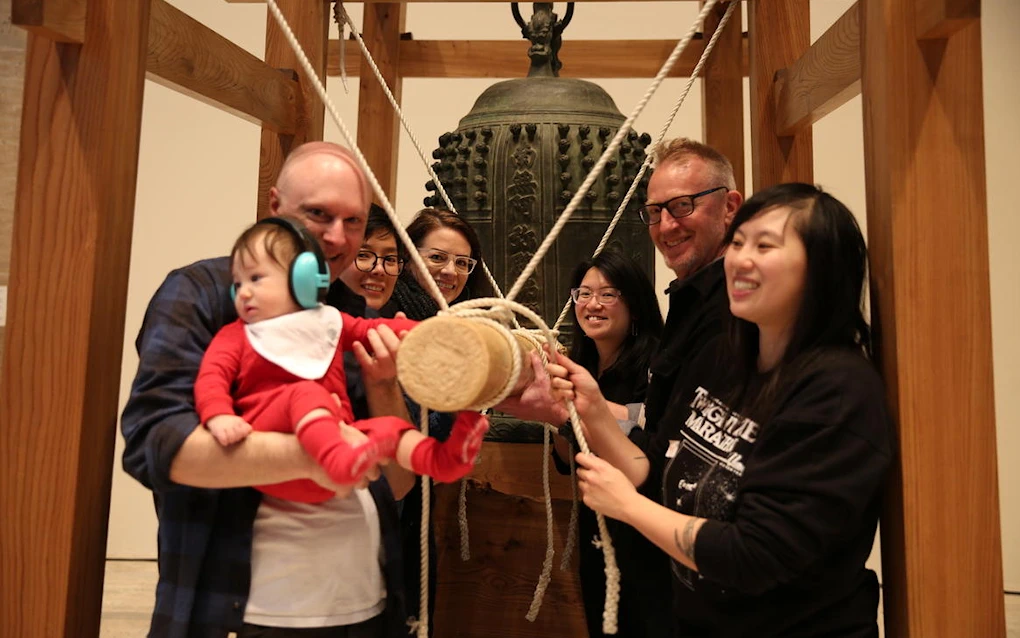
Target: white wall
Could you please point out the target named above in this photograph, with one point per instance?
(198, 172)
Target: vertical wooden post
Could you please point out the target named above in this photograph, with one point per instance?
(309, 19)
(69, 273)
(12, 79)
(780, 32)
(722, 95)
(378, 124)
(927, 230)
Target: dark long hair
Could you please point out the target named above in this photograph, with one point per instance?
(646, 319)
(430, 219)
(378, 223)
(831, 315)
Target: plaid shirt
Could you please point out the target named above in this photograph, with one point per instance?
(205, 535)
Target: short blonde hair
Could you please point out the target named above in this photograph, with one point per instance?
(682, 149)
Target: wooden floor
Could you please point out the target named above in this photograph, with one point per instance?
(130, 588)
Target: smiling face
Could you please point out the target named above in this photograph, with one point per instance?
(690, 243)
(261, 286)
(606, 325)
(448, 277)
(377, 285)
(325, 190)
(766, 269)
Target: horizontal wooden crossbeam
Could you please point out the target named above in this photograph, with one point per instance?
(189, 57)
(509, 58)
(823, 79)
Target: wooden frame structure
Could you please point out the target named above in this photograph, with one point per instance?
(917, 63)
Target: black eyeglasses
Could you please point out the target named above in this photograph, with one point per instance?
(366, 260)
(680, 206)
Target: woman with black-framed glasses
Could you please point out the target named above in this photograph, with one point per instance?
(618, 324)
(378, 262)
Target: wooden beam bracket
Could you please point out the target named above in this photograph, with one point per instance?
(939, 19)
(59, 20)
(823, 79)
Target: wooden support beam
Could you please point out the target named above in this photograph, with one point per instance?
(59, 20)
(722, 94)
(591, 59)
(453, 1)
(937, 19)
(378, 124)
(309, 19)
(780, 33)
(65, 320)
(189, 57)
(823, 79)
(928, 236)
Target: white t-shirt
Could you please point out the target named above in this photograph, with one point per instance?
(316, 565)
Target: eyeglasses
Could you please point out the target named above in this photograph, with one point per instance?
(437, 259)
(366, 260)
(605, 297)
(680, 206)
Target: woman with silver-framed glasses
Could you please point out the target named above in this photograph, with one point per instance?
(378, 262)
(452, 255)
(451, 252)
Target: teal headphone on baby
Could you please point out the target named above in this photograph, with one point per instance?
(309, 274)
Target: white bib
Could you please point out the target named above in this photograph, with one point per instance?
(302, 343)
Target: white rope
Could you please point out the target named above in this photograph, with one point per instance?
(568, 548)
(420, 625)
(607, 154)
(650, 151)
(320, 89)
(465, 545)
(547, 564)
(342, 26)
(340, 14)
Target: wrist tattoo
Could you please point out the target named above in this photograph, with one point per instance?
(685, 540)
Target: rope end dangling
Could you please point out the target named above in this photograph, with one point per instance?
(341, 18)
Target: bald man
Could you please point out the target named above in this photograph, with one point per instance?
(230, 558)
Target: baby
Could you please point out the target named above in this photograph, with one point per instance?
(279, 367)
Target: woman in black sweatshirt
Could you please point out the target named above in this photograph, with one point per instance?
(764, 483)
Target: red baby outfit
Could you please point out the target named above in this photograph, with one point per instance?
(235, 378)
(274, 372)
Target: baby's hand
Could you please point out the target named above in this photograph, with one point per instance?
(228, 429)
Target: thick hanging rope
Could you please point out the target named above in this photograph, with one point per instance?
(420, 625)
(547, 564)
(568, 548)
(465, 544)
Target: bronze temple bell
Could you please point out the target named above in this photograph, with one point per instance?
(518, 157)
